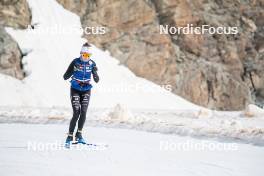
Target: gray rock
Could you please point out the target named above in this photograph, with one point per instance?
(16, 14)
(10, 56)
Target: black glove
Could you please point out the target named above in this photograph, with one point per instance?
(95, 74)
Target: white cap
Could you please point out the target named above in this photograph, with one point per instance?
(85, 49)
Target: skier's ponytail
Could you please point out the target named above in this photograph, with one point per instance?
(86, 45)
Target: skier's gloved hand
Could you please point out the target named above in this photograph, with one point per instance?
(94, 69)
(96, 78)
(95, 74)
(64, 77)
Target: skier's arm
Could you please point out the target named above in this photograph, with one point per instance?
(95, 74)
(69, 71)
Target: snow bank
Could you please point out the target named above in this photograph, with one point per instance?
(119, 113)
(253, 111)
(202, 123)
(219, 125)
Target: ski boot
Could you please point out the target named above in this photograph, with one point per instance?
(79, 138)
(68, 141)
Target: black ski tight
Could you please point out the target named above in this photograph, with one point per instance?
(80, 102)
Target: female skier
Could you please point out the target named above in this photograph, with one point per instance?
(80, 71)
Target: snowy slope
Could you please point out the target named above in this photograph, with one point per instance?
(49, 56)
(130, 153)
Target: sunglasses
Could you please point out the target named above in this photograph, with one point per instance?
(86, 55)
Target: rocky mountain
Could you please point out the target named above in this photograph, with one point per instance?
(223, 72)
(16, 14)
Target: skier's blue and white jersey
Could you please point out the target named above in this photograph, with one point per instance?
(80, 72)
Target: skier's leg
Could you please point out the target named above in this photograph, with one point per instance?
(75, 101)
(76, 107)
(85, 98)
